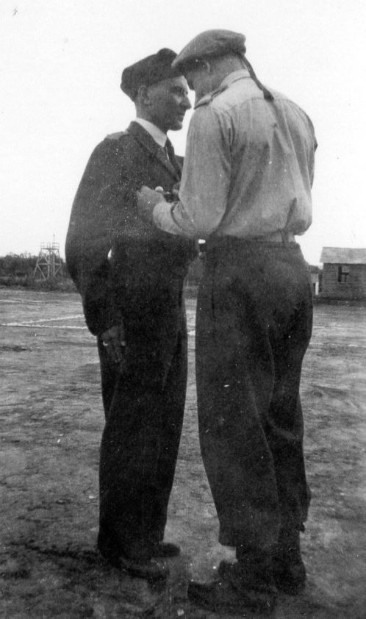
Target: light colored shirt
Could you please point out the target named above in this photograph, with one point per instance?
(248, 168)
(157, 134)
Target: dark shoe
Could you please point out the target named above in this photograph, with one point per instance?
(141, 567)
(288, 568)
(221, 596)
(289, 574)
(150, 569)
(165, 550)
(226, 570)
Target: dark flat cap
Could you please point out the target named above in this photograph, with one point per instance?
(149, 71)
(211, 43)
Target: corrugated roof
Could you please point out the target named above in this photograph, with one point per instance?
(343, 255)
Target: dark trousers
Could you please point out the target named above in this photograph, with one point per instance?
(144, 415)
(254, 320)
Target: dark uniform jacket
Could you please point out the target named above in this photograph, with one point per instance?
(109, 250)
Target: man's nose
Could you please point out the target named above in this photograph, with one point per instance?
(186, 103)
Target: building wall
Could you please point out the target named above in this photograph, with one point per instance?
(353, 288)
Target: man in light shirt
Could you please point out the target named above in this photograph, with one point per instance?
(246, 190)
(130, 276)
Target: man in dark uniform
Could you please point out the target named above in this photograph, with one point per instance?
(246, 189)
(130, 277)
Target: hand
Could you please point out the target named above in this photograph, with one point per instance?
(114, 341)
(147, 199)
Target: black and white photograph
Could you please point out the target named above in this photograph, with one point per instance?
(183, 309)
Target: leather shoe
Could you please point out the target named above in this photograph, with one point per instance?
(141, 567)
(165, 550)
(288, 568)
(289, 575)
(220, 596)
(150, 569)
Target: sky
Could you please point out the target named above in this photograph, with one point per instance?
(59, 79)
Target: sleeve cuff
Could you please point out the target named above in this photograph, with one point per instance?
(163, 219)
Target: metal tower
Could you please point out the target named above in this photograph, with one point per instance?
(49, 263)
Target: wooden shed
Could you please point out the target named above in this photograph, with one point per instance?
(344, 273)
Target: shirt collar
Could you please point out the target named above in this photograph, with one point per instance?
(233, 77)
(226, 82)
(157, 134)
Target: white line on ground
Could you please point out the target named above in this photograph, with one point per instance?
(39, 326)
(42, 320)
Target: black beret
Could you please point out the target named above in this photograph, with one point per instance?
(211, 43)
(148, 71)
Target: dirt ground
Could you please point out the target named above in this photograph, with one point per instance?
(51, 418)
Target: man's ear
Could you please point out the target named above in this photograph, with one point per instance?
(143, 95)
(208, 66)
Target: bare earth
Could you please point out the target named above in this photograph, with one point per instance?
(52, 419)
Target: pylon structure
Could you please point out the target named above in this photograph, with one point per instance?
(49, 263)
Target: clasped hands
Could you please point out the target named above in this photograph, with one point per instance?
(148, 198)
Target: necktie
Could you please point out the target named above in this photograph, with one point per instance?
(169, 150)
(164, 151)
